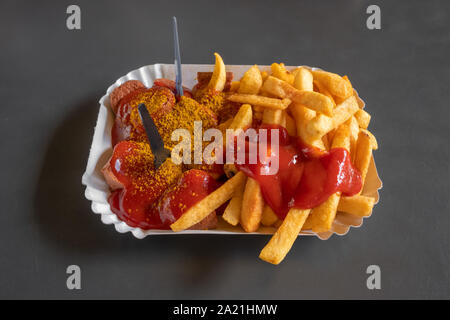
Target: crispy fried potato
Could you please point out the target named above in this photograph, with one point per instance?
(280, 72)
(232, 213)
(363, 154)
(322, 216)
(290, 126)
(363, 118)
(335, 84)
(208, 204)
(354, 132)
(373, 140)
(219, 76)
(358, 205)
(251, 81)
(283, 239)
(234, 86)
(302, 116)
(321, 124)
(264, 75)
(310, 99)
(321, 89)
(243, 118)
(303, 79)
(224, 125)
(252, 206)
(271, 116)
(268, 216)
(256, 100)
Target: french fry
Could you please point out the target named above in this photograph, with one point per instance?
(268, 216)
(335, 84)
(252, 206)
(224, 125)
(321, 89)
(256, 100)
(354, 132)
(358, 205)
(280, 72)
(251, 81)
(264, 75)
(310, 99)
(258, 115)
(363, 154)
(232, 213)
(219, 75)
(271, 116)
(243, 118)
(283, 239)
(211, 202)
(234, 86)
(363, 118)
(373, 140)
(302, 116)
(321, 124)
(322, 216)
(303, 79)
(290, 126)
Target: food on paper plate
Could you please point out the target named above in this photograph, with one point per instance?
(306, 127)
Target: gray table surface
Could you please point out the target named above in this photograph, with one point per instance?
(51, 79)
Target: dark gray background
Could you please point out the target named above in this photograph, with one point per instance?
(51, 79)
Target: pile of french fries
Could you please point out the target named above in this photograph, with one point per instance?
(318, 106)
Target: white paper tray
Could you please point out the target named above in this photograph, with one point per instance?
(97, 190)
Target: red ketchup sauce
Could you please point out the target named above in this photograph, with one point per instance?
(193, 186)
(307, 176)
(149, 198)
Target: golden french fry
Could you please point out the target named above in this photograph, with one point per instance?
(264, 75)
(224, 125)
(211, 202)
(234, 86)
(243, 118)
(321, 124)
(363, 154)
(283, 239)
(290, 126)
(363, 118)
(219, 75)
(354, 132)
(302, 116)
(251, 81)
(262, 101)
(252, 206)
(271, 116)
(268, 216)
(358, 205)
(373, 140)
(232, 213)
(323, 90)
(303, 79)
(335, 84)
(326, 142)
(280, 72)
(310, 99)
(322, 216)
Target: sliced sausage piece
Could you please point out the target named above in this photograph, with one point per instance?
(122, 91)
(110, 178)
